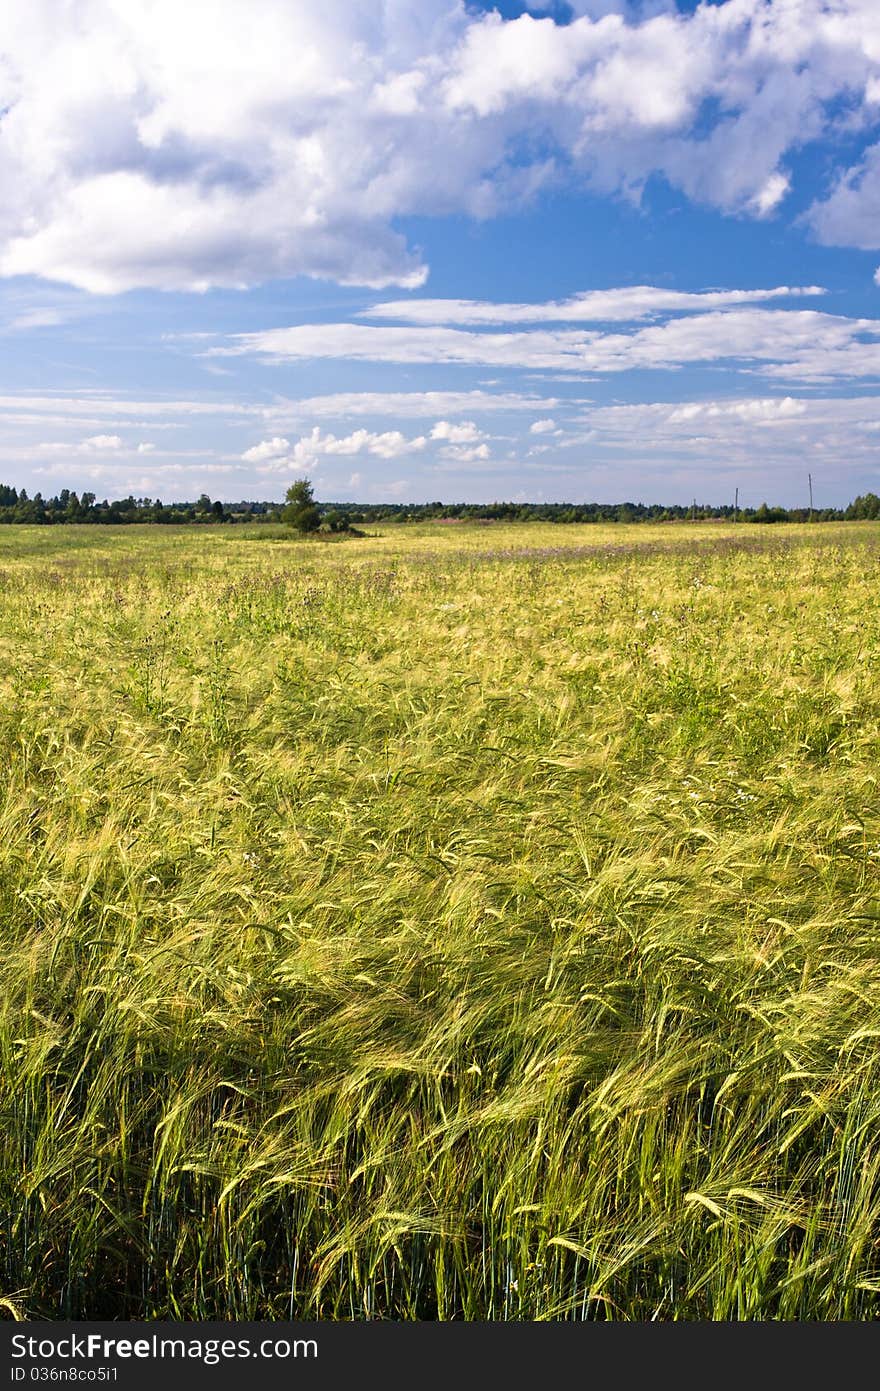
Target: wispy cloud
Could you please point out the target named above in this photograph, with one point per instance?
(804, 345)
(37, 318)
(416, 404)
(97, 404)
(627, 304)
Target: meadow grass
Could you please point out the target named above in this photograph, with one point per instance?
(465, 922)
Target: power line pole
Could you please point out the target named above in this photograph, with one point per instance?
(736, 506)
(810, 481)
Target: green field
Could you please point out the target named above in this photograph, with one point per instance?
(469, 922)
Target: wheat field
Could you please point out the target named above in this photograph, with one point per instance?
(466, 922)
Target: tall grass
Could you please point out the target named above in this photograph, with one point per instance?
(471, 923)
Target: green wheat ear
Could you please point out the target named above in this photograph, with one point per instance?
(470, 923)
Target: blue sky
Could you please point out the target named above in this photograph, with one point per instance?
(418, 250)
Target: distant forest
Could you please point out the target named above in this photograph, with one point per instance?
(16, 507)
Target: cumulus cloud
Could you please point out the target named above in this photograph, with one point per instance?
(464, 453)
(542, 427)
(311, 448)
(764, 411)
(155, 144)
(266, 449)
(388, 444)
(103, 442)
(465, 432)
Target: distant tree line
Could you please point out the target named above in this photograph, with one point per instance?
(68, 506)
(306, 514)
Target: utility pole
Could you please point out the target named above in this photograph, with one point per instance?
(810, 481)
(694, 511)
(736, 506)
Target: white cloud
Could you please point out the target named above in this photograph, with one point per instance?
(759, 436)
(145, 447)
(185, 478)
(628, 303)
(850, 215)
(37, 318)
(157, 144)
(93, 445)
(388, 444)
(542, 427)
(400, 95)
(465, 454)
(105, 405)
(103, 442)
(770, 194)
(764, 411)
(464, 433)
(417, 404)
(310, 448)
(266, 449)
(557, 349)
(803, 345)
(103, 412)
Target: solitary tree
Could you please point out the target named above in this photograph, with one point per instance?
(301, 512)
